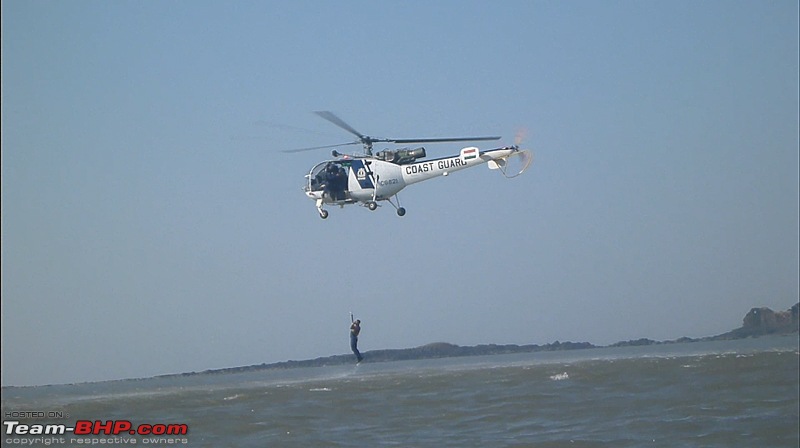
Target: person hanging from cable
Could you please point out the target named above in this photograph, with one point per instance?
(355, 329)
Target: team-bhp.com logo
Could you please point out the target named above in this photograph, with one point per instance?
(86, 428)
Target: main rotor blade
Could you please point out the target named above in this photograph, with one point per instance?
(320, 147)
(445, 139)
(330, 116)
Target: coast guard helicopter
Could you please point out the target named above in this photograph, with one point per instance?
(371, 178)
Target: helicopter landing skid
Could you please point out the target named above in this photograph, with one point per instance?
(372, 205)
(322, 212)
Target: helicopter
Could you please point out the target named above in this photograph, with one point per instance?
(368, 179)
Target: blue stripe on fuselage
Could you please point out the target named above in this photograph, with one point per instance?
(362, 173)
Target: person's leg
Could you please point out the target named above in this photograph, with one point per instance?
(354, 347)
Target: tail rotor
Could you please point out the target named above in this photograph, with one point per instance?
(519, 161)
(522, 134)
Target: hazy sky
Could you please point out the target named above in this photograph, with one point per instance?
(151, 225)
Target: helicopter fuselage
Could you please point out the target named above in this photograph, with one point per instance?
(367, 180)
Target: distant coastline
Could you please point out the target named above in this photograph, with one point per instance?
(757, 322)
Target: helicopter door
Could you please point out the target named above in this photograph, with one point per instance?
(331, 178)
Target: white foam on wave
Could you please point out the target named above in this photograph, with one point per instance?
(560, 376)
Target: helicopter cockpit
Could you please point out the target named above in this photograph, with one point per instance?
(330, 178)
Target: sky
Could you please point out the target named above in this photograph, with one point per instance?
(151, 223)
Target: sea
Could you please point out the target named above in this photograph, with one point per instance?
(741, 393)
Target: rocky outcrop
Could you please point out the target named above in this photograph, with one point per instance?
(763, 321)
(766, 321)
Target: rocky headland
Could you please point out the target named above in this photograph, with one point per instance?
(758, 322)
